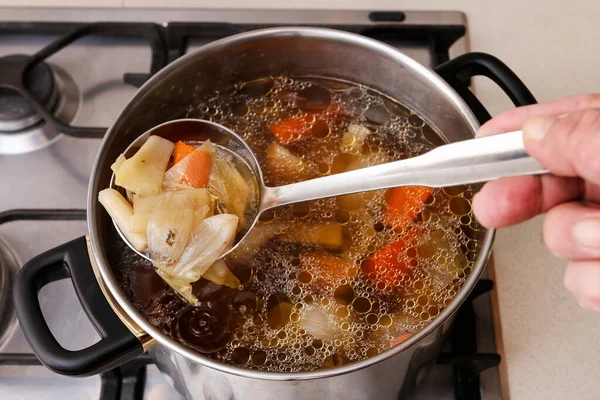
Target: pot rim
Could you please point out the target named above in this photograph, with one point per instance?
(270, 33)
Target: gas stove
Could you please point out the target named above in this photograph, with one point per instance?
(65, 75)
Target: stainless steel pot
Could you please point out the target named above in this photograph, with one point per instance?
(440, 97)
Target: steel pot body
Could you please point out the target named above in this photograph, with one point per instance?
(392, 378)
(441, 99)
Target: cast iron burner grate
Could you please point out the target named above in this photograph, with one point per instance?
(127, 381)
(170, 41)
(13, 75)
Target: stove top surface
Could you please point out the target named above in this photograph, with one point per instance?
(83, 87)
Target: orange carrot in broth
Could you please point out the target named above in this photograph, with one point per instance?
(404, 204)
(182, 150)
(401, 338)
(294, 128)
(291, 129)
(390, 263)
(325, 267)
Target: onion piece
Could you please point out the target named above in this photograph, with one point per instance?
(230, 187)
(143, 207)
(200, 215)
(169, 186)
(207, 242)
(286, 166)
(202, 197)
(146, 204)
(130, 195)
(169, 227)
(220, 274)
(121, 211)
(317, 323)
(143, 173)
(117, 164)
(181, 286)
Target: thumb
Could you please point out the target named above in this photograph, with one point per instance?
(568, 145)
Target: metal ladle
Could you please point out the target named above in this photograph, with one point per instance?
(468, 161)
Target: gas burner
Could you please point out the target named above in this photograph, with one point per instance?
(16, 113)
(22, 129)
(9, 264)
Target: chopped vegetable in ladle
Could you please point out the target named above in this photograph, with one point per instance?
(171, 214)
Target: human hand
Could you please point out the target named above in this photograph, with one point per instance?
(564, 136)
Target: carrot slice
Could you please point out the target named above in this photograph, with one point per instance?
(390, 263)
(198, 170)
(325, 267)
(290, 129)
(404, 204)
(181, 151)
(403, 336)
(193, 170)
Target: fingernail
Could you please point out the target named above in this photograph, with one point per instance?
(483, 132)
(589, 303)
(587, 232)
(537, 127)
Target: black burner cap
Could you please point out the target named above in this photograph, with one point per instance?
(39, 80)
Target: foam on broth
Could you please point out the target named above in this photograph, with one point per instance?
(260, 325)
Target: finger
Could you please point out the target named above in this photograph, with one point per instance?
(572, 231)
(582, 279)
(514, 119)
(566, 146)
(592, 192)
(509, 201)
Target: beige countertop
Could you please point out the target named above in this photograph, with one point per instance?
(551, 346)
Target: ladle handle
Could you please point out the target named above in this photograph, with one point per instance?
(469, 161)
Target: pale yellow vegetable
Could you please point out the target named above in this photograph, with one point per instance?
(130, 196)
(168, 186)
(181, 286)
(169, 227)
(138, 223)
(143, 206)
(285, 165)
(121, 211)
(229, 186)
(328, 236)
(355, 137)
(143, 173)
(220, 274)
(146, 204)
(317, 323)
(451, 265)
(207, 243)
(202, 197)
(200, 215)
(350, 202)
(118, 162)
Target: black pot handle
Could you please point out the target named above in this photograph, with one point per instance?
(458, 72)
(71, 260)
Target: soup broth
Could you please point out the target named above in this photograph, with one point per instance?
(330, 281)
